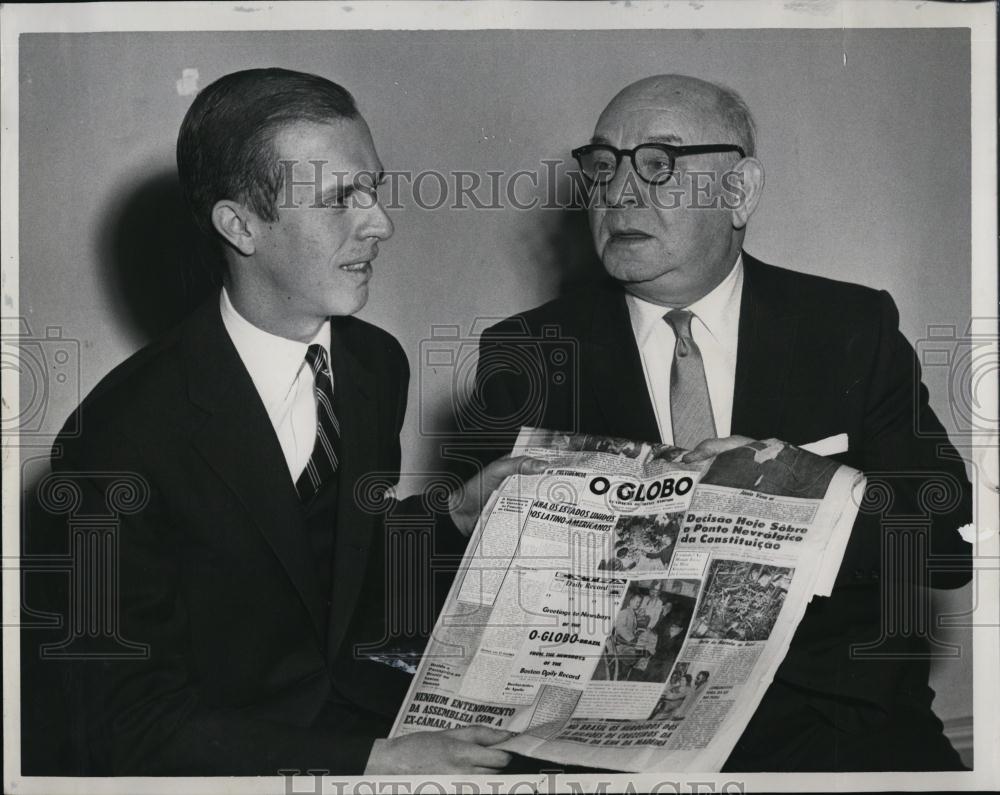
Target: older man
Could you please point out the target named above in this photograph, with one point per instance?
(693, 340)
(251, 566)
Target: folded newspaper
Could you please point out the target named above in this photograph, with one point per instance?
(627, 611)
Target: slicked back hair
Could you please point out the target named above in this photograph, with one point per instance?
(225, 148)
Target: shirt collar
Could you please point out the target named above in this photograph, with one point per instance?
(715, 311)
(273, 362)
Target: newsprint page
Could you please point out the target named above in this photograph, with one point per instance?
(356, 360)
(625, 610)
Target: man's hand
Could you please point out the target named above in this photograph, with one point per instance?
(467, 503)
(453, 751)
(710, 447)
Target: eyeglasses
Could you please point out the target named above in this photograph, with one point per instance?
(654, 163)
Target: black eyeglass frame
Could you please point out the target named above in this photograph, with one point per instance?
(671, 151)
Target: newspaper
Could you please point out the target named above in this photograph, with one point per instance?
(626, 611)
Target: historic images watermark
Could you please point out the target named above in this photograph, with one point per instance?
(313, 782)
(550, 187)
(47, 366)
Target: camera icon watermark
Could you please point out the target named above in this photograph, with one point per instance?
(47, 367)
(970, 363)
(492, 390)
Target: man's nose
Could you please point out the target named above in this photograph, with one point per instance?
(621, 190)
(378, 224)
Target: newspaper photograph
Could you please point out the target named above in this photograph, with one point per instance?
(625, 610)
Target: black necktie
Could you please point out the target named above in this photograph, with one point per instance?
(323, 462)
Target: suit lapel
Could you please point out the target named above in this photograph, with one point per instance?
(618, 380)
(239, 443)
(359, 444)
(764, 353)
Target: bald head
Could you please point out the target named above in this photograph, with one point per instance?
(719, 112)
(673, 241)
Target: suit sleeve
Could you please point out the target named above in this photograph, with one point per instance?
(502, 399)
(425, 518)
(148, 716)
(904, 540)
(906, 451)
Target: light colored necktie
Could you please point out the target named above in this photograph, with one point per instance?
(323, 462)
(690, 404)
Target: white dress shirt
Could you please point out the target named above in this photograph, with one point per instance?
(284, 381)
(715, 329)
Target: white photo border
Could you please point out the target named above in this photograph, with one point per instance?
(979, 18)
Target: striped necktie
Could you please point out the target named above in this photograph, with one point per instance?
(690, 405)
(322, 464)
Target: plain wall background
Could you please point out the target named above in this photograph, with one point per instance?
(864, 135)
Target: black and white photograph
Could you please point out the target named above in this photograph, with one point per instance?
(682, 692)
(282, 283)
(741, 600)
(649, 631)
(643, 543)
(666, 452)
(772, 467)
(586, 442)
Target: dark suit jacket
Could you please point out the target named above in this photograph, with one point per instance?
(248, 672)
(815, 358)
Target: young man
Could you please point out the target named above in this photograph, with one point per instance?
(251, 565)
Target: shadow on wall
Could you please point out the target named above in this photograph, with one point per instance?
(158, 266)
(572, 252)
(558, 245)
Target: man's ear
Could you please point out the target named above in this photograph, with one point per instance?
(742, 187)
(233, 221)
